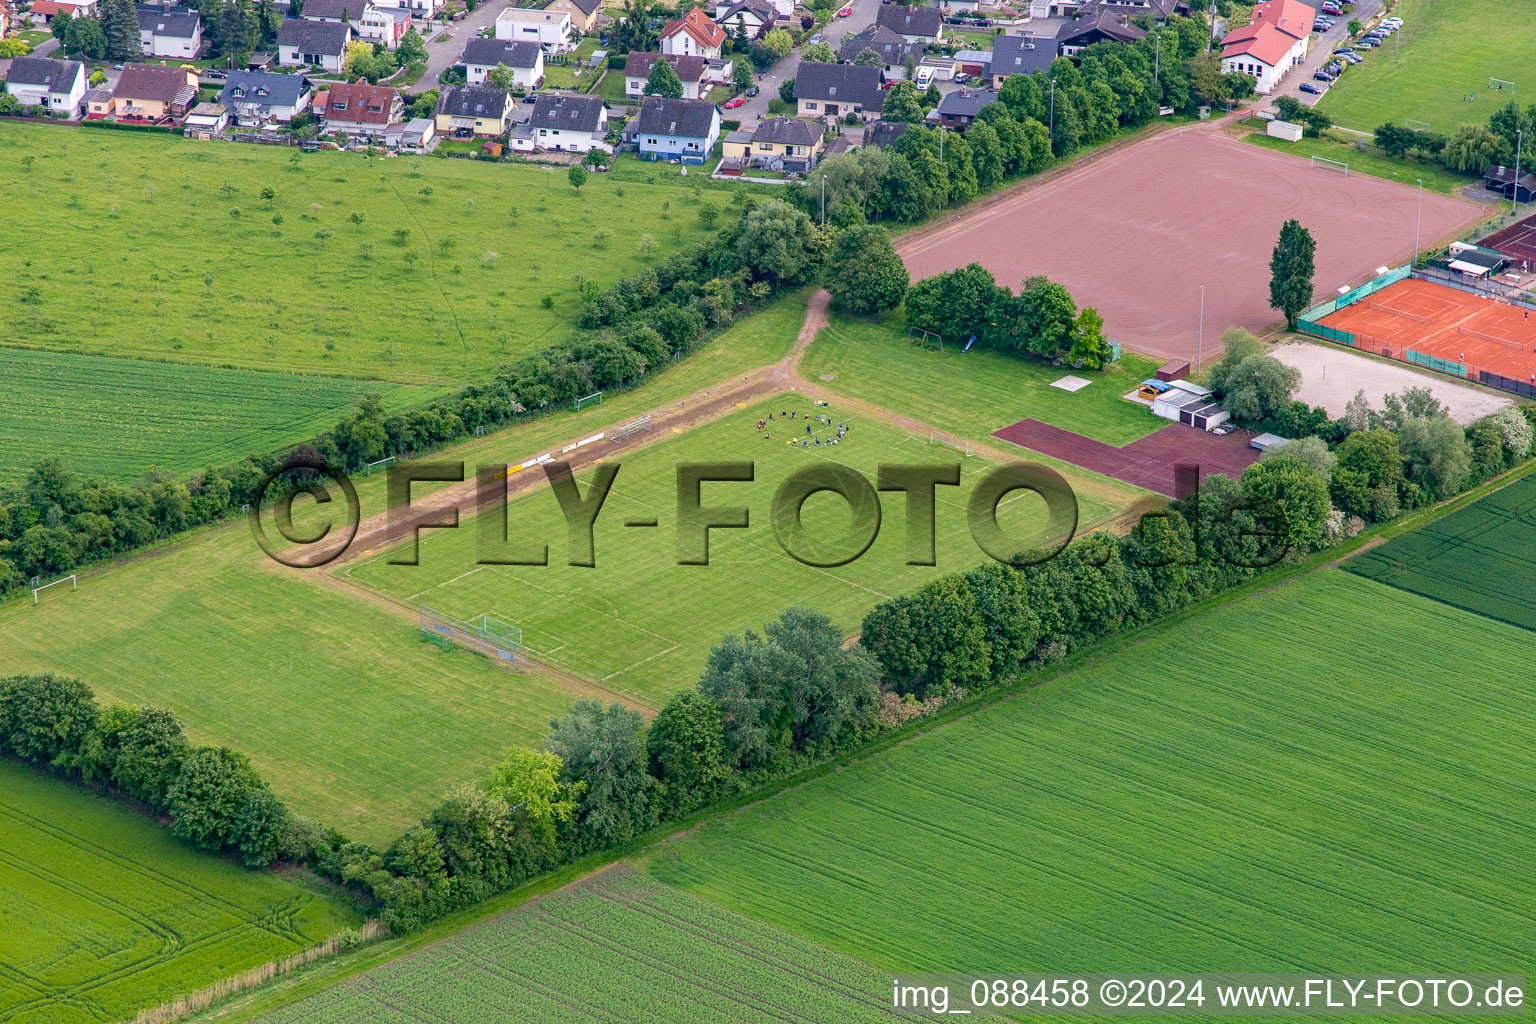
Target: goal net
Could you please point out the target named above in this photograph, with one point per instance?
(1330, 165)
(484, 634)
(595, 398)
(935, 438)
(1500, 85)
(1418, 126)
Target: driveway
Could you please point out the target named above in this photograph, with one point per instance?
(1321, 52)
(756, 108)
(444, 55)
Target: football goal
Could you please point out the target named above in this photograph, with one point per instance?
(1418, 126)
(595, 398)
(1500, 85)
(388, 460)
(484, 634)
(1330, 165)
(74, 584)
(938, 439)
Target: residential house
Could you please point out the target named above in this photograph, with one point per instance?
(1053, 8)
(694, 34)
(336, 11)
(359, 109)
(152, 93)
(691, 71)
(550, 29)
(170, 31)
(423, 9)
(322, 44)
(883, 134)
(371, 22)
(835, 90)
(1161, 10)
(256, 98)
(1020, 55)
(781, 8)
(778, 144)
(893, 49)
(474, 110)
(956, 110)
(524, 60)
(7, 19)
(46, 10)
(1096, 27)
(206, 120)
(99, 103)
(569, 122)
(1275, 40)
(673, 129)
(922, 25)
(583, 13)
(752, 18)
(58, 85)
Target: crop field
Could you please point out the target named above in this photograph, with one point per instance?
(616, 947)
(1243, 792)
(105, 913)
(1448, 54)
(978, 392)
(642, 624)
(357, 724)
(459, 254)
(115, 417)
(1481, 557)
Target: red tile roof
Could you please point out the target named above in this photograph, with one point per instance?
(358, 103)
(1275, 28)
(697, 24)
(48, 8)
(1290, 16)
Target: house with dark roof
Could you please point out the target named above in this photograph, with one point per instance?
(583, 12)
(305, 43)
(679, 130)
(692, 34)
(256, 98)
(691, 71)
(883, 134)
(918, 24)
(465, 111)
(58, 85)
(151, 93)
(569, 123)
(778, 144)
(359, 109)
(371, 22)
(524, 59)
(753, 17)
(956, 110)
(1020, 55)
(1502, 180)
(169, 31)
(893, 50)
(836, 90)
(1101, 26)
(1162, 10)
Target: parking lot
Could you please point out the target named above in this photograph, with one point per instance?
(1321, 52)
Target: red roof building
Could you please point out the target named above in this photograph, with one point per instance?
(1275, 40)
(694, 34)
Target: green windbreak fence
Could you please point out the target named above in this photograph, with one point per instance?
(1434, 363)
(1326, 333)
(1353, 296)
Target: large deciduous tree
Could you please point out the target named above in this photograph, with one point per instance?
(863, 271)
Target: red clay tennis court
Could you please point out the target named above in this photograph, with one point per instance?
(1444, 329)
(1147, 462)
(1518, 241)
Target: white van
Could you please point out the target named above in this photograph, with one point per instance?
(924, 76)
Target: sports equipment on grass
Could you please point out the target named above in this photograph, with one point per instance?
(595, 398)
(1418, 126)
(1330, 165)
(74, 584)
(632, 427)
(385, 461)
(1500, 85)
(1419, 317)
(925, 339)
(486, 635)
(936, 438)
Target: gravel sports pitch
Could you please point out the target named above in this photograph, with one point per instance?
(1136, 232)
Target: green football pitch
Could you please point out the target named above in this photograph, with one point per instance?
(639, 623)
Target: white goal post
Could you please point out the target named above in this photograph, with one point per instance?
(1418, 126)
(935, 438)
(1331, 165)
(74, 584)
(1500, 85)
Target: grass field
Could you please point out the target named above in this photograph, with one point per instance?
(351, 718)
(976, 393)
(1448, 51)
(642, 624)
(105, 913)
(618, 947)
(111, 255)
(1243, 792)
(115, 417)
(1335, 146)
(1481, 558)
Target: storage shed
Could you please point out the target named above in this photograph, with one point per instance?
(1176, 370)
(1284, 130)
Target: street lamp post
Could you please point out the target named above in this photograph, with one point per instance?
(1417, 223)
(1514, 202)
(1053, 115)
(1200, 337)
(1157, 56)
(823, 200)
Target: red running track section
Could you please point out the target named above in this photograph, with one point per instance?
(1146, 463)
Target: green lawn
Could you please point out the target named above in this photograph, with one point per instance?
(642, 624)
(1449, 51)
(145, 259)
(616, 947)
(1340, 146)
(576, 76)
(1244, 792)
(106, 914)
(353, 720)
(611, 87)
(116, 417)
(978, 392)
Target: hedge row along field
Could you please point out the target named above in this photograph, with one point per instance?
(105, 913)
(1481, 558)
(416, 270)
(1245, 791)
(116, 417)
(618, 947)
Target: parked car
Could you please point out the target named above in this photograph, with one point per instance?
(961, 78)
(1369, 44)
(845, 12)
(1322, 76)
(815, 38)
(753, 90)
(1314, 90)
(734, 102)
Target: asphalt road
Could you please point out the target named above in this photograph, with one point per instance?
(1321, 52)
(756, 108)
(444, 55)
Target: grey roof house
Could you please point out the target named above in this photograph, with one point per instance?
(254, 98)
(320, 43)
(1020, 55)
(677, 129)
(835, 90)
(893, 49)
